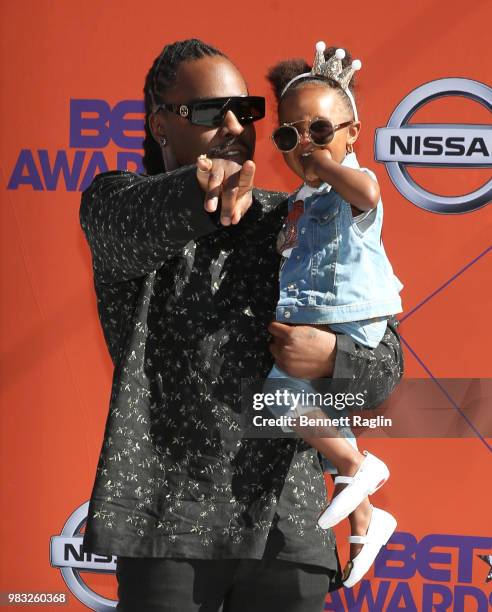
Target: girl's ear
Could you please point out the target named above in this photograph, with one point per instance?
(353, 133)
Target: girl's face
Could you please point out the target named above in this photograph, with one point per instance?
(306, 103)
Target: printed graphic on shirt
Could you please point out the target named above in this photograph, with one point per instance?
(287, 237)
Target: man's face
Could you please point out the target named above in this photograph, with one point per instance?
(208, 77)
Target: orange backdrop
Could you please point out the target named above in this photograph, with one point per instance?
(56, 372)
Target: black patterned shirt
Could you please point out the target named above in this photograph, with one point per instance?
(184, 304)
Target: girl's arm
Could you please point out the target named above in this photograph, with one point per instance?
(356, 187)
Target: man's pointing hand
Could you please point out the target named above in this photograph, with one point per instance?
(228, 181)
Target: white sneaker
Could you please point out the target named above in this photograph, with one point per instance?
(380, 530)
(371, 475)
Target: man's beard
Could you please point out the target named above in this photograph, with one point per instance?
(231, 148)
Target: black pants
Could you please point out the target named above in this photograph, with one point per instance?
(230, 585)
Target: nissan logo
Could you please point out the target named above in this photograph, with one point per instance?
(401, 144)
(66, 554)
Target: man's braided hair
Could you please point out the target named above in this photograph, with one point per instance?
(160, 78)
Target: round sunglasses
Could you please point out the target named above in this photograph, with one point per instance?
(320, 133)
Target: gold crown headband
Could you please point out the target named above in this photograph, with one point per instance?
(332, 69)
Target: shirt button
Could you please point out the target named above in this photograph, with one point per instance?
(303, 231)
(287, 314)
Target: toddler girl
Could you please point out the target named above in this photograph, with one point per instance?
(334, 269)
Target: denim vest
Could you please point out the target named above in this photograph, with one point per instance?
(337, 271)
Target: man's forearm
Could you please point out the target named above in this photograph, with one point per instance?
(133, 222)
(311, 351)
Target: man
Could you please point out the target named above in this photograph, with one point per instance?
(185, 272)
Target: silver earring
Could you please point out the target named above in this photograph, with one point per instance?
(163, 141)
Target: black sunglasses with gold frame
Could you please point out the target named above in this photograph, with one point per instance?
(210, 112)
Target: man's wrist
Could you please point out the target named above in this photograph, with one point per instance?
(332, 354)
(331, 361)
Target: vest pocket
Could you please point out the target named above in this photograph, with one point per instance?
(323, 216)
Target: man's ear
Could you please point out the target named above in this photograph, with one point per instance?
(156, 127)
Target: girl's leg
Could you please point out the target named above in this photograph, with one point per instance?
(346, 459)
(343, 455)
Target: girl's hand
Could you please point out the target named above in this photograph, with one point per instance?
(356, 187)
(315, 163)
